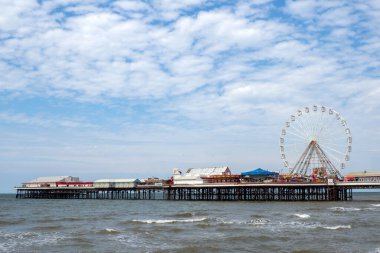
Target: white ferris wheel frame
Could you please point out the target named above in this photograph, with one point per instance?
(308, 131)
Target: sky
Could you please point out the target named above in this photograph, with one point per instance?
(122, 89)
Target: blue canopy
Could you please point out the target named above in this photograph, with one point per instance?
(259, 172)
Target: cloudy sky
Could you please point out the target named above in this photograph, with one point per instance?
(97, 88)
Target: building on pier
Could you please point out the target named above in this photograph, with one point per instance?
(197, 176)
(364, 176)
(55, 181)
(116, 183)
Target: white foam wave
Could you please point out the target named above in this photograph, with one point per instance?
(338, 227)
(13, 241)
(298, 225)
(302, 215)
(170, 221)
(260, 221)
(378, 205)
(375, 251)
(111, 230)
(345, 209)
(228, 222)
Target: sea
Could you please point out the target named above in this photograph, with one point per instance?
(47, 225)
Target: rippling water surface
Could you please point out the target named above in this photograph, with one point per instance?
(33, 225)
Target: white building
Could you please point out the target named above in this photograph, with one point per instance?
(194, 176)
(50, 181)
(116, 183)
(363, 177)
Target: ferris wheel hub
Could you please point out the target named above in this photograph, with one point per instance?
(313, 139)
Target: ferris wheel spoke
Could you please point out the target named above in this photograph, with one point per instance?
(333, 140)
(299, 129)
(299, 136)
(329, 155)
(304, 127)
(336, 149)
(331, 123)
(332, 134)
(308, 125)
(322, 129)
(314, 124)
(332, 137)
(296, 144)
(328, 123)
(332, 149)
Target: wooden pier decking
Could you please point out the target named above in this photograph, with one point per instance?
(210, 192)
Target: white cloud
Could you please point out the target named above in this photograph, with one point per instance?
(343, 16)
(132, 5)
(303, 9)
(171, 9)
(11, 14)
(39, 121)
(103, 53)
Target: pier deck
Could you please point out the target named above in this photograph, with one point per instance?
(207, 192)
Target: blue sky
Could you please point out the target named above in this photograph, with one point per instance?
(137, 88)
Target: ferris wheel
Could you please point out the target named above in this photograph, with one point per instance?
(315, 137)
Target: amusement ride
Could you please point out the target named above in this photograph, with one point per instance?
(316, 141)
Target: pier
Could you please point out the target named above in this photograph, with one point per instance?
(339, 191)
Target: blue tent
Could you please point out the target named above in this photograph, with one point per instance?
(259, 172)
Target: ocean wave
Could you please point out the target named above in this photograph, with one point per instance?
(80, 240)
(186, 214)
(297, 225)
(338, 227)
(259, 221)
(345, 209)
(61, 219)
(17, 241)
(306, 225)
(223, 221)
(377, 205)
(11, 222)
(47, 228)
(108, 231)
(302, 215)
(375, 251)
(71, 219)
(256, 216)
(170, 221)
(18, 236)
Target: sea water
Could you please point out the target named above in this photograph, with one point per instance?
(37, 225)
